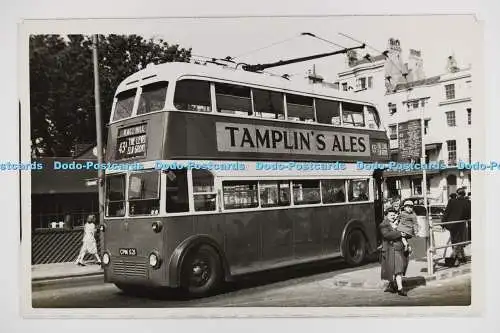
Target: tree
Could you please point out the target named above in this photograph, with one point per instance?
(62, 84)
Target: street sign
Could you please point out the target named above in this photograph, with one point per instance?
(410, 140)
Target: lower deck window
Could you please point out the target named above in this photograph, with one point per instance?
(115, 195)
(306, 192)
(358, 190)
(240, 194)
(177, 197)
(144, 194)
(204, 194)
(333, 191)
(274, 193)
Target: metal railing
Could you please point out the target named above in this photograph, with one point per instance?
(432, 248)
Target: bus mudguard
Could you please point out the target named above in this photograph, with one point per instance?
(175, 263)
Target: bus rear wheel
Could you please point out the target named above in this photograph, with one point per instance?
(201, 272)
(355, 248)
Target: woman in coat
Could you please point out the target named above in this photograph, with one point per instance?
(393, 258)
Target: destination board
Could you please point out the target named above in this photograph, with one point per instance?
(132, 142)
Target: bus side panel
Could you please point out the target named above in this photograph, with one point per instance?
(276, 235)
(365, 213)
(333, 219)
(242, 238)
(306, 232)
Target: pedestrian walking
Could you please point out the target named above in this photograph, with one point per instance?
(457, 210)
(393, 258)
(89, 243)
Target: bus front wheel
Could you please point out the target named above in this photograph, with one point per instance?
(355, 248)
(201, 271)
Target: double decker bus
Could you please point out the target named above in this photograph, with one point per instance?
(239, 172)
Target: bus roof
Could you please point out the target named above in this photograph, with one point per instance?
(174, 71)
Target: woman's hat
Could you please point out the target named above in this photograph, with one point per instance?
(91, 218)
(408, 203)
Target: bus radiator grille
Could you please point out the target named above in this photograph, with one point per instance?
(130, 268)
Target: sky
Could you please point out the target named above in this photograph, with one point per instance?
(436, 36)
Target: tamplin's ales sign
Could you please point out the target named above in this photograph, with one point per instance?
(269, 139)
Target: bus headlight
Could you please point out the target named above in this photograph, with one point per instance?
(154, 260)
(106, 258)
(157, 226)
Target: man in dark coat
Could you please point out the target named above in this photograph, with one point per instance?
(456, 210)
(393, 257)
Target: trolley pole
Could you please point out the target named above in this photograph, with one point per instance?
(98, 124)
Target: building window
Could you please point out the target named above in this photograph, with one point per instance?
(417, 186)
(370, 82)
(450, 119)
(392, 109)
(450, 91)
(344, 86)
(452, 152)
(393, 132)
(469, 116)
(469, 141)
(361, 83)
(426, 125)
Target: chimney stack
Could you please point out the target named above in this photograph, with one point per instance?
(415, 66)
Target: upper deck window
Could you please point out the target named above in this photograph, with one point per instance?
(152, 97)
(124, 104)
(143, 193)
(193, 95)
(373, 120)
(233, 99)
(115, 195)
(328, 112)
(300, 108)
(353, 114)
(268, 104)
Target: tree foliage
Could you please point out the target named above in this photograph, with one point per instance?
(62, 84)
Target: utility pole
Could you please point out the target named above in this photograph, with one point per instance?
(98, 124)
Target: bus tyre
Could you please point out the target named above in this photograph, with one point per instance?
(355, 248)
(201, 272)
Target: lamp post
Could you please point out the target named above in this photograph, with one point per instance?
(98, 124)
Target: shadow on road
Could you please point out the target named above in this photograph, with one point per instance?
(268, 279)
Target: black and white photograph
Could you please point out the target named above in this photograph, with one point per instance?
(255, 166)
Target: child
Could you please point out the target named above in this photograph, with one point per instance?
(407, 223)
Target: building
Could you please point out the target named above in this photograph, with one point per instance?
(442, 103)
(60, 202)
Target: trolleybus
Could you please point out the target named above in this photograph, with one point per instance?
(239, 172)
